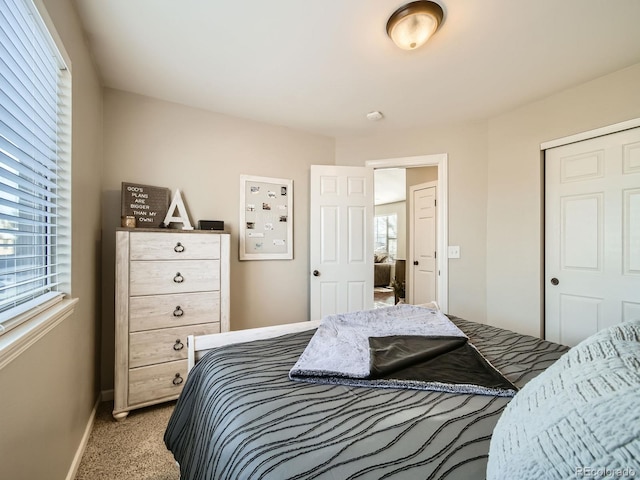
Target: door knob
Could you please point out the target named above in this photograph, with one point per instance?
(316, 273)
(415, 262)
(555, 281)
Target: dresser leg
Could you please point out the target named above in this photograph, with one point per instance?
(120, 416)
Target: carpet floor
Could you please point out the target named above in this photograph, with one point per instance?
(132, 449)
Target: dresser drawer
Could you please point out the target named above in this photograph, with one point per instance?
(163, 311)
(177, 276)
(155, 346)
(157, 381)
(173, 246)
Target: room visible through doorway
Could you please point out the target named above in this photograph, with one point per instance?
(392, 229)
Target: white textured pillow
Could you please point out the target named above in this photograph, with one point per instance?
(578, 419)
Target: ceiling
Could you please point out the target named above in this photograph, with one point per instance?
(320, 66)
(390, 185)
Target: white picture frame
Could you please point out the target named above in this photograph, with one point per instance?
(266, 218)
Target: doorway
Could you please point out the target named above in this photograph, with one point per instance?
(341, 234)
(415, 175)
(390, 235)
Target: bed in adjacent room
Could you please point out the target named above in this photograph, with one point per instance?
(241, 416)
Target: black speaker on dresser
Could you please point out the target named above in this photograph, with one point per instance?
(210, 225)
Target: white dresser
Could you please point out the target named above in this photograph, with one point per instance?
(169, 284)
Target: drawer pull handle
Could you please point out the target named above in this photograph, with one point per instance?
(178, 312)
(178, 345)
(178, 278)
(177, 380)
(179, 248)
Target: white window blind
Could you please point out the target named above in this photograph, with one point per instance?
(386, 234)
(34, 166)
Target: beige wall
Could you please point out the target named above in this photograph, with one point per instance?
(466, 146)
(418, 175)
(164, 144)
(514, 216)
(49, 391)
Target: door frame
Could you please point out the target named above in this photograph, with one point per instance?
(559, 142)
(589, 134)
(439, 160)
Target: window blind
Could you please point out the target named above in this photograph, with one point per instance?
(33, 170)
(386, 234)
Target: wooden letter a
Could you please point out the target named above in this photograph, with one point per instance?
(182, 217)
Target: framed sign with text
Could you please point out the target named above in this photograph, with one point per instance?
(266, 218)
(147, 204)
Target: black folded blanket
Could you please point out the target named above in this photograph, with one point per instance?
(436, 363)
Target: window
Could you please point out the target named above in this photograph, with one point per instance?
(386, 232)
(34, 166)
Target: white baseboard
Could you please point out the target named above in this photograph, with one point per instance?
(83, 443)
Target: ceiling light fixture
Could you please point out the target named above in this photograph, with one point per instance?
(413, 24)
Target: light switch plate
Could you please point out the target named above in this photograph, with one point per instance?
(454, 251)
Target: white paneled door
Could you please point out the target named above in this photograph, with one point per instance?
(423, 265)
(592, 235)
(341, 243)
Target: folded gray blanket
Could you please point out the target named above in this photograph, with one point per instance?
(403, 346)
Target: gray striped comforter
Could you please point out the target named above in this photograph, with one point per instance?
(240, 417)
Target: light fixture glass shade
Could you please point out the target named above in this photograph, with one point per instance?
(413, 24)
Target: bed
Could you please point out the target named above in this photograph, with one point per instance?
(241, 417)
